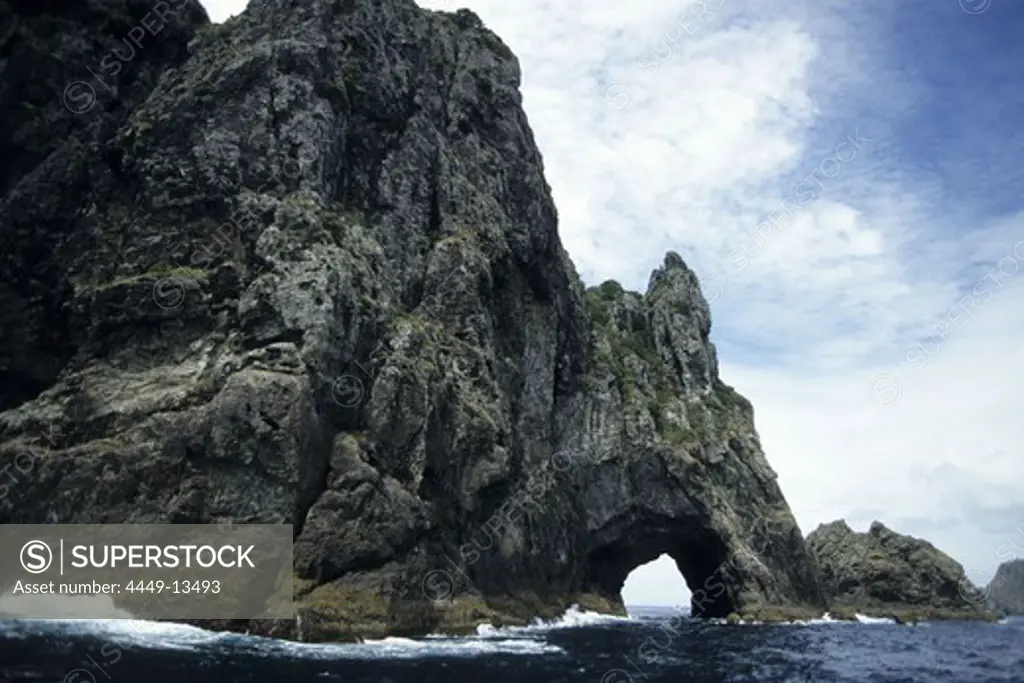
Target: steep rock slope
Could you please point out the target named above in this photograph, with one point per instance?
(313, 276)
(882, 573)
(1006, 590)
(69, 78)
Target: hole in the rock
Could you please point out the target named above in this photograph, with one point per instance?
(697, 555)
(655, 584)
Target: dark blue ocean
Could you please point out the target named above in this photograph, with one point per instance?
(654, 644)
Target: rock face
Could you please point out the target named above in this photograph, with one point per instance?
(1006, 590)
(307, 271)
(885, 574)
(56, 120)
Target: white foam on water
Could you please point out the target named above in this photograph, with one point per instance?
(476, 646)
(130, 632)
(157, 635)
(826, 618)
(574, 617)
(873, 620)
(823, 619)
(409, 648)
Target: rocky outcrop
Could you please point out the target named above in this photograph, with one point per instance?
(71, 73)
(881, 573)
(1006, 590)
(308, 272)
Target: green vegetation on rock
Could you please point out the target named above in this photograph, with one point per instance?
(157, 273)
(881, 573)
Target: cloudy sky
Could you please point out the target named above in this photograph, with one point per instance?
(845, 177)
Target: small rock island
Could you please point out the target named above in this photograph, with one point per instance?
(1006, 590)
(884, 574)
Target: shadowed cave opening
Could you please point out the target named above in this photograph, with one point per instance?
(699, 566)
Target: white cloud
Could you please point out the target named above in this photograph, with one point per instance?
(222, 10)
(694, 152)
(937, 457)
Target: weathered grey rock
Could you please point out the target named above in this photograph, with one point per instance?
(1006, 589)
(312, 275)
(881, 573)
(70, 76)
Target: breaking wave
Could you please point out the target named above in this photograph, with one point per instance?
(153, 635)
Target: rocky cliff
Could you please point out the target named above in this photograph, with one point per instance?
(1006, 590)
(303, 267)
(881, 573)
